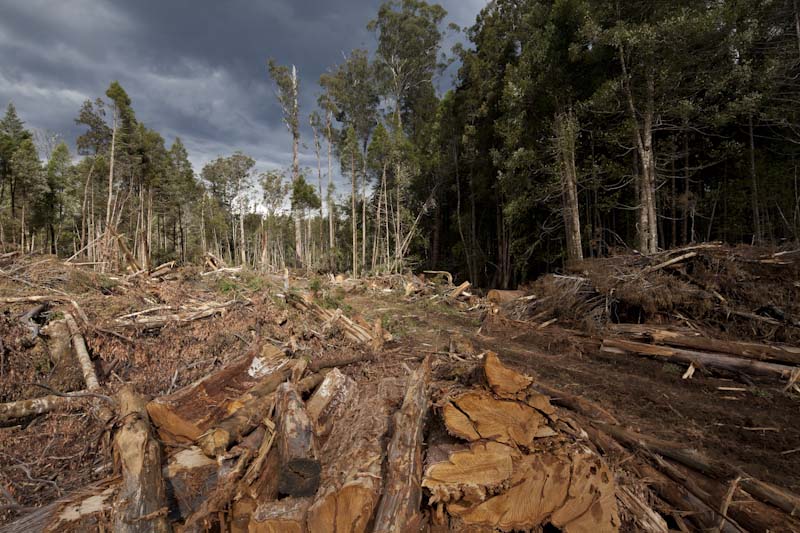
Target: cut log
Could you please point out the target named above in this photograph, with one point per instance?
(283, 516)
(159, 321)
(701, 359)
(190, 476)
(162, 270)
(471, 475)
(13, 411)
(501, 297)
(399, 507)
(643, 516)
(351, 477)
(141, 504)
(667, 263)
(455, 293)
(678, 496)
(765, 492)
(231, 470)
(329, 396)
(697, 341)
(183, 416)
(751, 514)
(85, 510)
(577, 403)
(351, 329)
(478, 415)
(67, 373)
(504, 382)
(300, 469)
(343, 360)
(577, 495)
(447, 275)
(249, 410)
(79, 345)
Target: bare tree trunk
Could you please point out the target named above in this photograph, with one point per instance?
(298, 237)
(648, 229)
(566, 129)
(353, 212)
(317, 148)
(84, 205)
(243, 244)
(364, 212)
(757, 236)
(686, 199)
(107, 240)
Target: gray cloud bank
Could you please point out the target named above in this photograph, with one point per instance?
(194, 69)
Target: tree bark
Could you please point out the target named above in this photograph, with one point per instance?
(107, 240)
(398, 510)
(141, 504)
(250, 409)
(186, 414)
(716, 361)
(566, 128)
(351, 483)
(300, 469)
(79, 345)
(757, 234)
(334, 391)
(287, 515)
(762, 352)
(12, 411)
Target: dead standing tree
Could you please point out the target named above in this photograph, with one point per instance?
(287, 92)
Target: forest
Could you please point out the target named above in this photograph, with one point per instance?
(535, 275)
(573, 128)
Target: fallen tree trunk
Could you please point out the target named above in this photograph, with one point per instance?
(500, 297)
(447, 275)
(351, 330)
(140, 505)
(183, 416)
(12, 411)
(85, 510)
(249, 411)
(765, 492)
(700, 359)
(332, 392)
(232, 469)
(297, 449)
(352, 476)
(455, 293)
(79, 345)
(399, 507)
(190, 477)
(344, 360)
(159, 321)
(282, 516)
(697, 341)
(751, 514)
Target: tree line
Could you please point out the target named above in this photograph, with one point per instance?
(574, 128)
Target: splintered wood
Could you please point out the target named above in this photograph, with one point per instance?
(352, 474)
(520, 472)
(185, 415)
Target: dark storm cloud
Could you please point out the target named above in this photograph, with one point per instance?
(193, 69)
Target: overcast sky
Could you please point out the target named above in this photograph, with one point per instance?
(193, 69)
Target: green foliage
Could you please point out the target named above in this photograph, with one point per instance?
(304, 196)
(315, 285)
